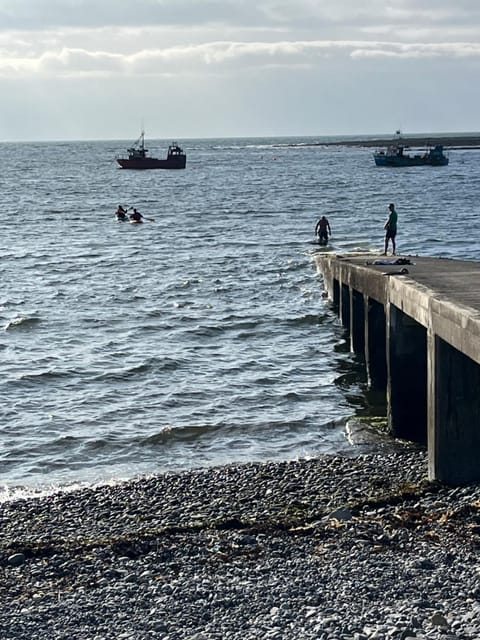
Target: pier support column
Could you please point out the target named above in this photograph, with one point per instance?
(407, 376)
(376, 345)
(357, 328)
(454, 418)
(335, 295)
(345, 305)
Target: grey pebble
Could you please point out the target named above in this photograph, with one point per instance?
(325, 549)
(16, 559)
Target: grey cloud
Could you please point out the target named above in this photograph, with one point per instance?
(73, 62)
(223, 57)
(50, 14)
(274, 14)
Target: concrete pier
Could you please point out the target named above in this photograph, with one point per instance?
(419, 333)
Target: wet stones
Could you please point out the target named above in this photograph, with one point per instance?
(329, 549)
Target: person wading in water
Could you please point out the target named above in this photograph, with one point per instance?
(323, 230)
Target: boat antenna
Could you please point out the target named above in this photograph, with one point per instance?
(142, 135)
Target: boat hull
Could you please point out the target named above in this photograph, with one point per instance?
(412, 161)
(141, 164)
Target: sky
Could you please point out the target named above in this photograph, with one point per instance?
(102, 69)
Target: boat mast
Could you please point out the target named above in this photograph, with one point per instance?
(140, 144)
(142, 137)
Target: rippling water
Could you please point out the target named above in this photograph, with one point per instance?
(200, 338)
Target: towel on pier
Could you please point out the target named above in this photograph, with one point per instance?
(392, 262)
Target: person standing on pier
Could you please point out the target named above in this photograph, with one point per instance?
(391, 229)
(323, 230)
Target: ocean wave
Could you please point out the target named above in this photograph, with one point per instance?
(236, 429)
(8, 302)
(311, 319)
(41, 377)
(170, 433)
(21, 322)
(13, 493)
(138, 370)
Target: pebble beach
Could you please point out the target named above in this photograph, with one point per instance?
(331, 548)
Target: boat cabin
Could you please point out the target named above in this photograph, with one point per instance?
(137, 152)
(175, 150)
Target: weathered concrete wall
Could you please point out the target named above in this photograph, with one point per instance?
(420, 336)
(454, 436)
(376, 345)
(407, 376)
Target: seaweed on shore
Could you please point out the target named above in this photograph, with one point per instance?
(297, 518)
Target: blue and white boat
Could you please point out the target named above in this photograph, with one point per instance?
(395, 156)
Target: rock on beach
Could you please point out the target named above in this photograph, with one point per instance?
(332, 548)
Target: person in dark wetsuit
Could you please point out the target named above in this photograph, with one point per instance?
(323, 230)
(121, 213)
(136, 216)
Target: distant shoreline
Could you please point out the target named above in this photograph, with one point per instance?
(449, 141)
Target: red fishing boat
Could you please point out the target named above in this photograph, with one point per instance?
(138, 158)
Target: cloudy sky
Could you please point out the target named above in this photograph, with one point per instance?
(97, 69)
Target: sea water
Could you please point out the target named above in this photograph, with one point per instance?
(203, 337)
